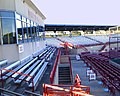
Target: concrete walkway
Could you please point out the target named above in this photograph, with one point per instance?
(96, 89)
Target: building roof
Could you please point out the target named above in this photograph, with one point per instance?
(33, 6)
(62, 27)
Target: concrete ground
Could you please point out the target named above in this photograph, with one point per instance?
(96, 89)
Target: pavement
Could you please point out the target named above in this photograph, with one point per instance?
(96, 88)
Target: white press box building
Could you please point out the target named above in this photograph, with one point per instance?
(21, 29)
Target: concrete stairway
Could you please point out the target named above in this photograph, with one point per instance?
(64, 75)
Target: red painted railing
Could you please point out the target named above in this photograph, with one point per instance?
(54, 67)
(14, 72)
(65, 90)
(107, 43)
(71, 75)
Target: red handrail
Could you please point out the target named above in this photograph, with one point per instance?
(65, 90)
(71, 75)
(14, 72)
(54, 67)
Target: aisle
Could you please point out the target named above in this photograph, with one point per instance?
(95, 88)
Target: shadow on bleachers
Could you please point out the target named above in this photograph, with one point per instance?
(26, 73)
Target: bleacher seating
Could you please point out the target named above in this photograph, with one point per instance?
(26, 59)
(35, 70)
(38, 75)
(27, 72)
(102, 65)
(15, 67)
(3, 62)
(23, 68)
(11, 66)
(30, 68)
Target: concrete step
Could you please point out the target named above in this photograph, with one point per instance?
(64, 78)
(64, 75)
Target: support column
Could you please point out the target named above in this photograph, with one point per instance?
(1, 40)
(55, 34)
(94, 32)
(82, 33)
(70, 35)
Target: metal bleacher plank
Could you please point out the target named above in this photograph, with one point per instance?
(23, 68)
(39, 75)
(11, 66)
(27, 72)
(3, 62)
(15, 70)
(35, 70)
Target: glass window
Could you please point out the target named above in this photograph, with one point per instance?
(29, 30)
(18, 16)
(7, 14)
(19, 29)
(23, 19)
(8, 31)
(37, 32)
(28, 21)
(24, 31)
(0, 32)
(32, 30)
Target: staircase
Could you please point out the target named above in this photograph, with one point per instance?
(106, 44)
(64, 75)
(94, 39)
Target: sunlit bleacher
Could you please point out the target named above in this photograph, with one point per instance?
(27, 71)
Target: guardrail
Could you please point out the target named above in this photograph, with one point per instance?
(55, 66)
(66, 90)
(19, 73)
(71, 75)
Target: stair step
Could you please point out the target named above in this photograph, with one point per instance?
(64, 75)
(64, 68)
(64, 78)
(64, 82)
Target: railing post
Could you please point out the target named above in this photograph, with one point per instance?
(44, 90)
(2, 82)
(32, 84)
(71, 94)
(1, 79)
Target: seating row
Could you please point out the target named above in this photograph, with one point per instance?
(102, 65)
(29, 69)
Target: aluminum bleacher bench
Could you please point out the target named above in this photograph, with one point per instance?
(35, 70)
(15, 68)
(19, 80)
(51, 54)
(23, 68)
(26, 59)
(38, 76)
(11, 67)
(3, 62)
(42, 53)
(47, 56)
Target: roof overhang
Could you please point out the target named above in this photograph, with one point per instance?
(33, 6)
(60, 27)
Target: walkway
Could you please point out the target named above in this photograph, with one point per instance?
(96, 89)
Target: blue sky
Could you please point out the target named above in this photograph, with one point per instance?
(94, 12)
